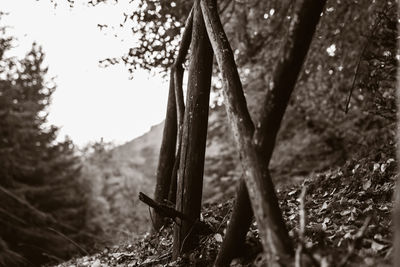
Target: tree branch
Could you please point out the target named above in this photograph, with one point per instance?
(162, 209)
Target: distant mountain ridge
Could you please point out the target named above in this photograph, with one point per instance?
(117, 177)
(141, 154)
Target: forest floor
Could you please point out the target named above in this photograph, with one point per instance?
(348, 223)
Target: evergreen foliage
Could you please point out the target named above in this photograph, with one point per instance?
(42, 208)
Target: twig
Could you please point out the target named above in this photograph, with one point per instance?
(52, 257)
(302, 250)
(357, 238)
(231, 13)
(69, 240)
(158, 260)
(186, 237)
(359, 62)
(302, 219)
(223, 221)
(42, 216)
(302, 212)
(222, 9)
(12, 216)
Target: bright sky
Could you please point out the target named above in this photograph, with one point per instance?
(90, 102)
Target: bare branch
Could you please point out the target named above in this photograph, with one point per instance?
(357, 238)
(162, 209)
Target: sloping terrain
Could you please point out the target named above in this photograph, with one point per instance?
(348, 222)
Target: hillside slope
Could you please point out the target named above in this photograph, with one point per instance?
(348, 211)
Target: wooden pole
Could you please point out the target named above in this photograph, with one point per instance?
(191, 167)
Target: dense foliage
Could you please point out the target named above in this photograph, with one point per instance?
(42, 208)
(348, 78)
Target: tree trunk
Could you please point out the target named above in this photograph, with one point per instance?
(191, 167)
(167, 154)
(273, 233)
(239, 223)
(166, 179)
(284, 79)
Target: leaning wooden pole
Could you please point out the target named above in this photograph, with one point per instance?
(181, 113)
(178, 80)
(191, 167)
(167, 154)
(293, 54)
(164, 174)
(273, 233)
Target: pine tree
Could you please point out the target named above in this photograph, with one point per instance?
(41, 203)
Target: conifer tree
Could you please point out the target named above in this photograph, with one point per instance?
(41, 203)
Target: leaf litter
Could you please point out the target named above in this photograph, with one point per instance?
(337, 205)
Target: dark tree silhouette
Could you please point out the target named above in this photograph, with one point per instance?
(169, 158)
(292, 56)
(191, 167)
(42, 207)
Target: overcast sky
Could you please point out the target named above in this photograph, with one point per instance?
(90, 102)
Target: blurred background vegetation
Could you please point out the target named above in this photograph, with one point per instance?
(57, 201)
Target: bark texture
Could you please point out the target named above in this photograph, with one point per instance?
(273, 233)
(293, 54)
(191, 167)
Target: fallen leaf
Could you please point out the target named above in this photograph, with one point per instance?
(218, 238)
(96, 263)
(351, 218)
(347, 236)
(375, 246)
(376, 166)
(367, 184)
(390, 161)
(378, 237)
(324, 206)
(383, 208)
(383, 168)
(345, 212)
(355, 168)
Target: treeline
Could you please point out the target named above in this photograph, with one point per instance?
(42, 204)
